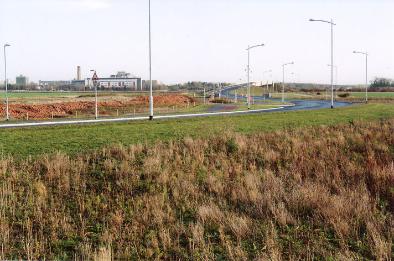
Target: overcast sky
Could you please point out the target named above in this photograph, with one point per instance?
(202, 40)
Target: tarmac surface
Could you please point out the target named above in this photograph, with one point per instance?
(296, 105)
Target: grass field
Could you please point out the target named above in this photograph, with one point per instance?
(254, 91)
(372, 94)
(228, 107)
(259, 91)
(80, 139)
(316, 193)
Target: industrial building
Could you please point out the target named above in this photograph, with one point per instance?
(121, 80)
(78, 73)
(22, 81)
(53, 85)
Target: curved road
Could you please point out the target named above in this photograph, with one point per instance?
(297, 105)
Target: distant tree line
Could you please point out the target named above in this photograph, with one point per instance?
(382, 83)
(14, 87)
(377, 85)
(197, 86)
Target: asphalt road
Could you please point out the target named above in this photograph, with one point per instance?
(297, 105)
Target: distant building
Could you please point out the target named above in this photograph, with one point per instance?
(53, 85)
(22, 81)
(78, 73)
(121, 80)
(156, 85)
(121, 74)
(78, 85)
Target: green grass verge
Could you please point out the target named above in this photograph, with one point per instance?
(231, 107)
(258, 91)
(372, 94)
(80, 139)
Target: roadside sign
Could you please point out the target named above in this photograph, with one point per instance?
(95, 78)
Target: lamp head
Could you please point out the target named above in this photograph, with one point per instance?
(312, 20)
(7, 45)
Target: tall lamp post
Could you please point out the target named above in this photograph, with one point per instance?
(150, 67)
(6, 82)
(248, 69)
(336, 73)
(94, 79)
(366, 73)
(283, 80)
(268, 71)
(331, 22)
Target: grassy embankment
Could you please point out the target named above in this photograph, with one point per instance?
(353, 96)
(81, 139)
(372, 94)
(323, 193)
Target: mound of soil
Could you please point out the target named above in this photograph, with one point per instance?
(64, 109)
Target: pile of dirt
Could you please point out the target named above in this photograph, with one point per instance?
(64, 109)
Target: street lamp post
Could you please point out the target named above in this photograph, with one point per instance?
(331, 22)
(248, 69)
(336, 80)
(283, 80)
(366, 73)
(268, 71)
(336, 73)
(94, 79)
(6, 82)
(150, 67)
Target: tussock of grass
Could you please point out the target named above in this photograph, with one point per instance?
(296, 194)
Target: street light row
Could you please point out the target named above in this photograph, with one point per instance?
(366, 72)
(332, 24)
(332, 66)
(248, 70)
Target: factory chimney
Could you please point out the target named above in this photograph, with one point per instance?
(78, 73)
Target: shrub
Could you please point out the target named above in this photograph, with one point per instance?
(221, 100)
(231, 146)
(344, 95)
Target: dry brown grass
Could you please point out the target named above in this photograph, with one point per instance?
(296, 194)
